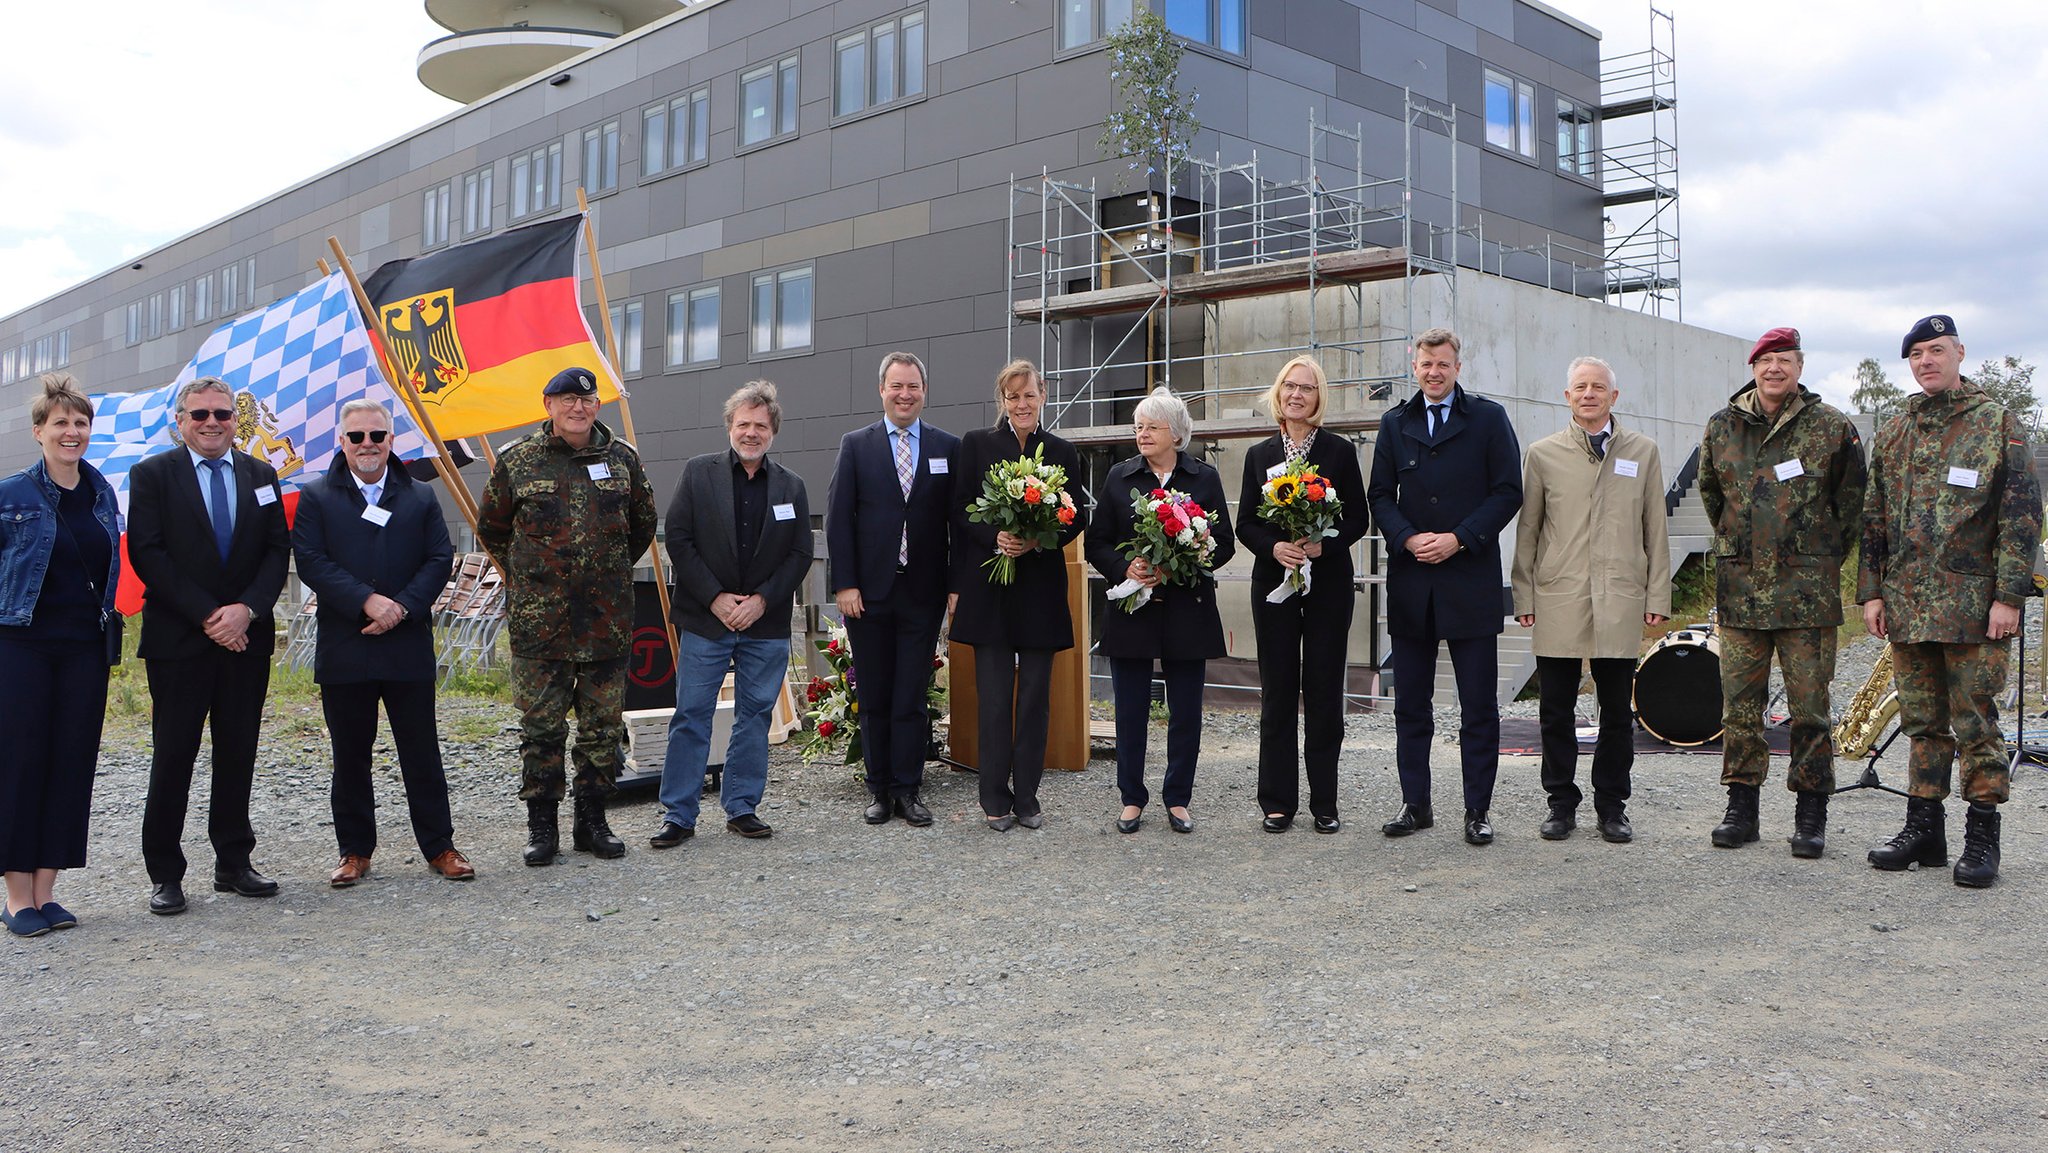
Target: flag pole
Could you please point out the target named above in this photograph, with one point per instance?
(611, 351)
(443, 463)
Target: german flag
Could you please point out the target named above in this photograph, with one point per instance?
(481, 327)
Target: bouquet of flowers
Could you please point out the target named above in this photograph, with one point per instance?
(1172, 535)
(834, 709)
(1301, 503)
(1025, 497)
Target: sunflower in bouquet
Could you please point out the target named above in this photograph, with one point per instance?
(1303, 505)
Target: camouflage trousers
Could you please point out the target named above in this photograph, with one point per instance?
(545, 690)
(1807, 658)
(1948, 702)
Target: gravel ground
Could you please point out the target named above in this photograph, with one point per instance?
(846, 987)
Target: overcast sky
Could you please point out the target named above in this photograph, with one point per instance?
(1841, 161)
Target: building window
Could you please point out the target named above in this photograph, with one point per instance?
(601, 158)
(1084, 22)
(134, 329)
(878, 65)
(782, 311)
(156, 317)
(230, 277)
(537, 181)
(693, 327)
(1575, 152)
(63, 348)
(676, 134)
(476, 202)
(202, 299)
(177, 308)
(434, 216)
(1218, 24)
(249, 283)
(768, 102)
(1510, 113)
(630, 329)
(6, 366)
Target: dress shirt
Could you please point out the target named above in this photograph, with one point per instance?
(205, 476)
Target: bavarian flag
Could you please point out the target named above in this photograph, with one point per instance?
(481, 327)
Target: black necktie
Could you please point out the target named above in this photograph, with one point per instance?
(1600, 445)
(1436, 419)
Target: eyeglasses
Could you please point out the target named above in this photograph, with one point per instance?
(577, 401)
(376, 436)
(199, 415)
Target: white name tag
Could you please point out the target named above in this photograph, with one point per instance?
(599, 471)
(376, 516)
(268, 494)
(1276, 470)
(1963, 477)
(940, 466)
(1786, 470)
(1624, 467)
(785, 512)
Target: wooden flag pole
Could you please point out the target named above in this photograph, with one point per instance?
(611, 351)
(443, 463)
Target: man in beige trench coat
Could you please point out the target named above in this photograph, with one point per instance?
(1592, 567)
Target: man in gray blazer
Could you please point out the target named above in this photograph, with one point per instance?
(739, 538)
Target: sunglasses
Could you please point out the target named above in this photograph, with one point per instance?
(220, 414)
(376, 436)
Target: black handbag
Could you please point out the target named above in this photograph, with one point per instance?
(110, 634)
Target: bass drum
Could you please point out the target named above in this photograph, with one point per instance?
(1678, 688)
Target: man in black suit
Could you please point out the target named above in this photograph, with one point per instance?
(1446, 479)
(371, 543)
(887, 549)
(739, 540)
(206, 533)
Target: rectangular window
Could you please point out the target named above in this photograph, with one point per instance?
(601, 158)
(537, 181)
(693, 327)
(1510, 113)
(202, 299)
(629, 327)
(781, 311)
(156, 316)
(676, 133)
(1575, 140)
(177, 308)
(434, 216)
(44, 359)
(476, 202)
(249, 282)
(134, 329)
(1084, 22)
(768, 97)
(878, 65)
(63, 348)
(6, 366)
(230, 279)
(1216, 23)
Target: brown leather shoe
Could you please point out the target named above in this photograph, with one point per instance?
(351, 870)
(453, 865)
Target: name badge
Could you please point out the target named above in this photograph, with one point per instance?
(1963, 477)
(940, 466)
(1276, 470)
(268, 494)
(1624, 467)
(376, 516)
(599, 471)
(785, 512)
(1788, 469)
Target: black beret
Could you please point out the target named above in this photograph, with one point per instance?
(1928, 328)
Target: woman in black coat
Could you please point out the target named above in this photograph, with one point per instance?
(1016, 628)
(1302, 639)
(1179, 627)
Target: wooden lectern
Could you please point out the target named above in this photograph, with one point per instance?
(1066, 745)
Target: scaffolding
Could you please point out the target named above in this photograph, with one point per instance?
(1639, 173)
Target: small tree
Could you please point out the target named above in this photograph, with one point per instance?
(1155, 123)
(2011, 383)
(1875, 393)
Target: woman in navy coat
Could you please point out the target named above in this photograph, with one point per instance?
(1179, 627)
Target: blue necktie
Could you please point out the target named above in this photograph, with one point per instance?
(223, 531)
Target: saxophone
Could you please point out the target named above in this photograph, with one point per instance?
(1870, 710)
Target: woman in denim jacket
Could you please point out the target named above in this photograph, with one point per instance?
(60, 556)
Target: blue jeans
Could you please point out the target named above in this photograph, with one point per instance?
(758, 666)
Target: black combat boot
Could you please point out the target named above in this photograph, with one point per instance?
(543, 832)
(1738, 827)
(1924, 840)
(1978, 866)
(590, 833)
(1810, 825)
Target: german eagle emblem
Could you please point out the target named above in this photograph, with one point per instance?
(421, 334)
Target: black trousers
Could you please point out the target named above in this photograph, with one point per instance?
(1302, 646)
(1614, 753)
(226, 689)
(1476, 662)
(351, 711)
(893, 641)
(50, 715)
(1130, 680)
(1012, 735)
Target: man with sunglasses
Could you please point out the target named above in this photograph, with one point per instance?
(567, 514)
(372, 546)
(206, 533)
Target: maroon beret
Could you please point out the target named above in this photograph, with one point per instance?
(1776, 340)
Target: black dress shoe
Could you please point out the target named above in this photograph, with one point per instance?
(245, 880)
(877, 812)
(913, 811)
(1408, 820)
(167, 900)
(1615, 829)
(1477, 830)
(1558, 825)
(671, 835)
(1031, 820)
(1328, 824)
(1129, 824)
(1276, 824)
(1179, 824)
(750, 826)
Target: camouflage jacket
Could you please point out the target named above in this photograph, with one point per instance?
(1786, 501)
(567, 525)
(1953, 519)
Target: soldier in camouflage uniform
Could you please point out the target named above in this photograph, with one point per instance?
(567, 513)
(1782, 475)
(1948, 546)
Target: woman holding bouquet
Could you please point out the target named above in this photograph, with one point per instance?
(1014, 625)
(1171, 618)
(1303, 507)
